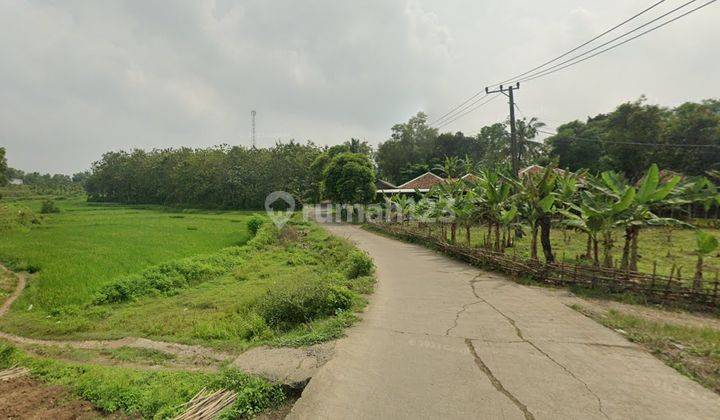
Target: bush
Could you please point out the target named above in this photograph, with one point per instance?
(292, 304)
(359, 265)
(254, 223)
(49, 206)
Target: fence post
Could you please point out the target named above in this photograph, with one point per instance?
(715, 287)
(667, 286)
(652, 279)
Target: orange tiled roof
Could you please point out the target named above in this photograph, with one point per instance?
(424, 181)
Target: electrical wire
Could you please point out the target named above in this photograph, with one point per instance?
(465, 104)
(572, 62)
(460, 110)
(581, 45)
(457, 117)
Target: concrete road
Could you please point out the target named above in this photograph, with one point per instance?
(442, 339)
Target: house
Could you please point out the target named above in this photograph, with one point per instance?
(383, 185)
(537, 169)
(422, 184)
(16, 181)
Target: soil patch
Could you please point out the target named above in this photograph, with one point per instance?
(27, 398)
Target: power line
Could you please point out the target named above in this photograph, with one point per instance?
(457, 117)
(581, 45)
(465, 104)
(572, 62)
(437, 120)
(631, 143)
(459, 109)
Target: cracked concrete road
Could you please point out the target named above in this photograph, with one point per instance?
(442, 339)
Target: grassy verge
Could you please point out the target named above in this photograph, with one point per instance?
(693, 351)
(156, 394)
(290, 287)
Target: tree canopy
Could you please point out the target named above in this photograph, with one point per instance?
(349, 178)
(685, 139)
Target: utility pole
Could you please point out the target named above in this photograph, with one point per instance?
(252, 116)
(514, 155)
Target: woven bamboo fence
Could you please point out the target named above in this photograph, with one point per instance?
(655, 287)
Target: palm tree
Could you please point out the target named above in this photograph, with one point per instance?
(527, 130)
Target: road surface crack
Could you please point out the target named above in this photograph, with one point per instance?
(496, 383)
(519, 333)
(458, 314)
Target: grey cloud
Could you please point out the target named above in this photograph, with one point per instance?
(80, 78)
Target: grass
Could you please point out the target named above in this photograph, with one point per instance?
(150, 394)
(693, 351)
(655, 245)
(87, 246)
(8, 282)
(298, 287)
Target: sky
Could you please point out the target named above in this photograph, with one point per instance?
(80, 78)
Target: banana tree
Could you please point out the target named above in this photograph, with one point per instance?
(598, 213)
(493, 192)
(651, 194)
(536, 199)
(401, 206)
(705, 245)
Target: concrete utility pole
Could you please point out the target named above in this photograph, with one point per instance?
(252, 116)
(514, 155)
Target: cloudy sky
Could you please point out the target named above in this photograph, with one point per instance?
(83, 77)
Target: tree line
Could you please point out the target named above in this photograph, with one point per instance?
(683, 139)
(232, 177)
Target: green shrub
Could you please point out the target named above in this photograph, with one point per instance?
(360, 264)
(49, 206)
(254, 395)
(286, 306)
(254, 223)
(165, 279)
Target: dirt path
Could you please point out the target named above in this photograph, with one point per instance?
(290, 366)
(16, 294)
(442, 339)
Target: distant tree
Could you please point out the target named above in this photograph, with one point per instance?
(495, 139)
(578, 145)
(411, 142)
(413, 171)
(349, 178)
(3, 167)
(628, 127)
(357, 146)
(698, 126)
